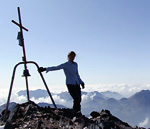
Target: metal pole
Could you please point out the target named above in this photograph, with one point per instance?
(19, 25)
(24, 53)
(11, 86)
(44, 84)
(25, 67)
(10, 90)
(48, 90)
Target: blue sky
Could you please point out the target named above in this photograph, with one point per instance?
(111, 39)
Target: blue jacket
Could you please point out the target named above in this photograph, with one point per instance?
(70, 70)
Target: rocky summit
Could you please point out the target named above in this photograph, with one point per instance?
(31, 116)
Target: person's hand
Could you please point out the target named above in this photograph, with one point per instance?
(41, 69)
(83, 85)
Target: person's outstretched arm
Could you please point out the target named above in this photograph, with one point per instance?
(53, 68)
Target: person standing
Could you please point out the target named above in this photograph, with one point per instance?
(73, 80)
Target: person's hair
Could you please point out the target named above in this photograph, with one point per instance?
(71, 53)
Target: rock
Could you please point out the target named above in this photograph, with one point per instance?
(3, 116)
(14, 113)
(74, 119)
(8, 126)
(106, 120)
(30, 115)
(94, 114)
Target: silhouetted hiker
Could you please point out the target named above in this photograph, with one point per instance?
(73, 80)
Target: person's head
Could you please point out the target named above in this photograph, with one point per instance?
(71, 56)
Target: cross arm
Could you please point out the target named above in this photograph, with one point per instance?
(19, 25)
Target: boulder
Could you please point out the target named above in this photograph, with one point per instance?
(30, 115)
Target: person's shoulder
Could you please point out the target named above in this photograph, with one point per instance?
(75, 63)
(66, 63)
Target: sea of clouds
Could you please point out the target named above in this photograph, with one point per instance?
(124, 89)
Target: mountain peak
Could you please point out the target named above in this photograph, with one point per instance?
(30, 115)
(143, 93)
(111, 94)
(141, 98)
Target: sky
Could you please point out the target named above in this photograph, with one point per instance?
(110, 37)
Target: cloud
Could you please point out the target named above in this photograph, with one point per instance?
(87, 97)
(90, 101)
(21, 99)
(14, 98)
(57, 99)
(124, 89)
(145, 123)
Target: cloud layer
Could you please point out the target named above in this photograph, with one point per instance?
(145, 123)
(65, 99)
(124, 89)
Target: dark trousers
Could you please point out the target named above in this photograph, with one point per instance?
(75, 92)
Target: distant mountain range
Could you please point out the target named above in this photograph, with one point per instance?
(132, 110)
(110, 94)
(40, 93)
